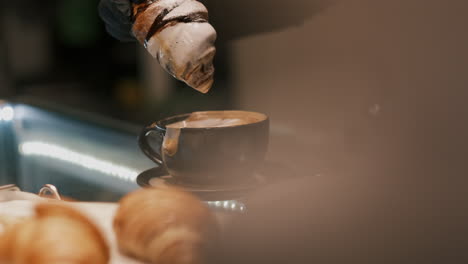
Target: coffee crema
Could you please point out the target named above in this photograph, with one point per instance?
(214, 119)
(209, 122)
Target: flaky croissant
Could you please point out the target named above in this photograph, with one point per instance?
(178, 35)
(57, 234)
(165, 226)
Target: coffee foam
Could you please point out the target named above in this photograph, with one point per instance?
(208, 122)
(211, 119)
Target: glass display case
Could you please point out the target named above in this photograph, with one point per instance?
(87, 157)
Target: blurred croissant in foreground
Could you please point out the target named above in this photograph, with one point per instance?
(56, 234)
(165, 226)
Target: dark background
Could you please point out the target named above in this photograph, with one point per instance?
(59, 53)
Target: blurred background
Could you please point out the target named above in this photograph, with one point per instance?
(59, 52)
(357, 85)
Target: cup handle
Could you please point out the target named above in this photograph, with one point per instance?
(49, 188)
(146, 148)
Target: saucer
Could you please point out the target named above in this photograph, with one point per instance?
(159, 176)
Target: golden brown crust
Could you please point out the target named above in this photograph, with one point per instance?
(165, 225)
(59, 210)
(7, 221)
(58, 234)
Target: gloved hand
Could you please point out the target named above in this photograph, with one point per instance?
(116, 15)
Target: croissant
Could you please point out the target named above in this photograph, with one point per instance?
(178, 35)
(57, 234)
(165, 226)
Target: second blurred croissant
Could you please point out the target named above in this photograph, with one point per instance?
(57, 234)
(165, 226)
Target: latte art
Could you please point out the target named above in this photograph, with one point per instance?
(211, 119)
(208, 122)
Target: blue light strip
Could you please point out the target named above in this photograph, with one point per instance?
(49, 150)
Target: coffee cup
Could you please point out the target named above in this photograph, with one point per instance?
(216, 148)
